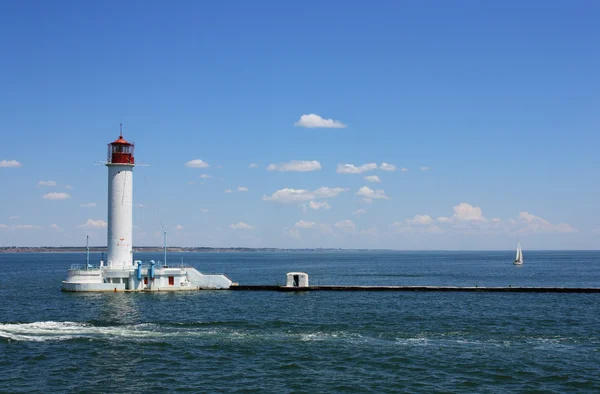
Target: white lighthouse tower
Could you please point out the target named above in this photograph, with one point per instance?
(120, 272)
(120, 163)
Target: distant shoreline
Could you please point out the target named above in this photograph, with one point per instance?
(149, 249)
(178, 249)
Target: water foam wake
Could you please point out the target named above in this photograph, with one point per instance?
(61, 331)
(228, 331)
(58, 331)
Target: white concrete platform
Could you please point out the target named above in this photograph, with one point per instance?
(143, 278)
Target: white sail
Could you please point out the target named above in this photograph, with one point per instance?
(519, 256)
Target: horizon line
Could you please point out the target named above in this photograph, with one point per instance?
(100, 248)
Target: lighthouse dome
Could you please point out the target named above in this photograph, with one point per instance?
(120, 141)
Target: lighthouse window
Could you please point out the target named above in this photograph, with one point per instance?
(171, 280)
(145, 280)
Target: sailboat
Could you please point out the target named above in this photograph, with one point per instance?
(519, 257)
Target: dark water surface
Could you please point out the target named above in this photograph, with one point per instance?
(225, 341)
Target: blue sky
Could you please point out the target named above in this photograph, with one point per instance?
(490, 107)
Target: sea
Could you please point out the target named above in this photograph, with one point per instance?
(307, 342)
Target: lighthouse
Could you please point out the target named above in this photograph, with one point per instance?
(120, 163)
(120, 272)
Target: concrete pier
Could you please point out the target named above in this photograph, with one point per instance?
(508, 289)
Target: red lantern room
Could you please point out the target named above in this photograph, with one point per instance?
(120, 151)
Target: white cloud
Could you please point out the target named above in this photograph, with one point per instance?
(327, 192)
(536, 224)
(14, 218)
(346, 225)
(179, 227)
(470, 219)
(421, 228)
(404, 169)
(47, 183)
(241, 226)
(197, 163)
(387, 167)
(467, 212)
(319, 205)
(369, 195)
(297, 196)
(296, 166)
(352, 169)
(424, 168)
(56, 227)
(596, 230)
(372, 178)
(312, 121)
(204, 210)
(205, 176)
(420, 220)
(311, 226)
(4, 226)
(242, 189)
(359, 212)
(91, 204)
(68, 187)
(219, 166)
(9, 164)
(26, 227)
(253, 165)
(93, 224)
(191, 182)
(228, 191)
(56, 196)
(305, 224)
(140, 206)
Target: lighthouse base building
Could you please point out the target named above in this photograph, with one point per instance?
(145, 277)
(120, 272)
